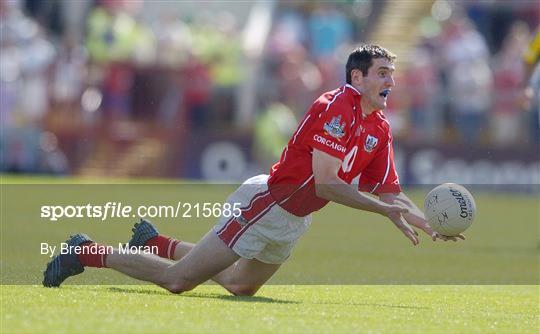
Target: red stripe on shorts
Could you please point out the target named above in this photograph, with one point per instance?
(255, 219)
(233, 229)
(259, 209)
(225, 226)
(248, 207)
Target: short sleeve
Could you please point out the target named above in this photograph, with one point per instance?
(330, 132)
(380, 176)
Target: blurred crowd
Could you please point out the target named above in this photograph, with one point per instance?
(71, 69)
(466, 78)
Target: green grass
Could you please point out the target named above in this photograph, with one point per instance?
(277, 309)
(352, 271)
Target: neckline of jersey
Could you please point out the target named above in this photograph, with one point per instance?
(356, 92)
(353, 89)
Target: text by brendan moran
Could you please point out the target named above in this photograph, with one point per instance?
(65, 248)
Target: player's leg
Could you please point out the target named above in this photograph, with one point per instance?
(181, 250)
(246, 236)
(260, 259)
(244, 277)
(207, 258)
(145, 234)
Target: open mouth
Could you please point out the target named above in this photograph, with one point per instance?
(385, 93)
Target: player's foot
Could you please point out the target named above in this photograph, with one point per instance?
(142, 232)
(65, 265)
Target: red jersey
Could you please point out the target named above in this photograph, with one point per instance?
(335, 125)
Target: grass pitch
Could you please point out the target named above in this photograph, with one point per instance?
(277, 309)
(351, 272)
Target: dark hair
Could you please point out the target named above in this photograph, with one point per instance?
(362, 57)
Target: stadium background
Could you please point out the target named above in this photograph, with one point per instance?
(135, 102)
(213, 91)
(160, 102)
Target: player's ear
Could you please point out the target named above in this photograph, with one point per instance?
(356, 77)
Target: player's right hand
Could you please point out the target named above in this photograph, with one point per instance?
(395, 213)
(395, 209)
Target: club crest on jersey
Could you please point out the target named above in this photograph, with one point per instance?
(334, 128)
(370, 143)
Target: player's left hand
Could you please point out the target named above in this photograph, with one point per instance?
(424, 226)
(447, 237)
(416, 218)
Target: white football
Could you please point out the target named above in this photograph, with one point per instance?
(449, 209)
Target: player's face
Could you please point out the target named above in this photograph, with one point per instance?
(376, 86)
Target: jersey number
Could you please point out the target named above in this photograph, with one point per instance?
(347, 164)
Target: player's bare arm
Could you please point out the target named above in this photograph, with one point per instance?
(330, 187)
(415, 216)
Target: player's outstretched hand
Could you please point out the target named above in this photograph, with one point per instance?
(405, 228)
(395, 213)
(424, 226)
(395, 209)
(446, 237)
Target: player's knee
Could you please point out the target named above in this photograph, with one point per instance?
(180, 287)
(244, 290)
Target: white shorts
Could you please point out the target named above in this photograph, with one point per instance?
(264, 230)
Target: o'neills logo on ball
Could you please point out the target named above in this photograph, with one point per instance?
(329, 143)
(464, 208)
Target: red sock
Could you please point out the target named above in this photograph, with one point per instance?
(165, 245)
(92, 254)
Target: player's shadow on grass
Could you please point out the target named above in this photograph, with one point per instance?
(253, 299)
(378, 305)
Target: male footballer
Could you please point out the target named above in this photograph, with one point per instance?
(341, 150)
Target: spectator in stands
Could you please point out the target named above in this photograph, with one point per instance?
(273, 128)
(298, 78)
(329, 31)
(509, 74)
(197, 92)
(289, 31)
(115, 41)
(69, 73)
(26, 58)
(469, 78)
(115, 35)
(423, 92)
(532, 82)
(174, 41)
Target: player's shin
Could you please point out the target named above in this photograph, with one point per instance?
(145, 267)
